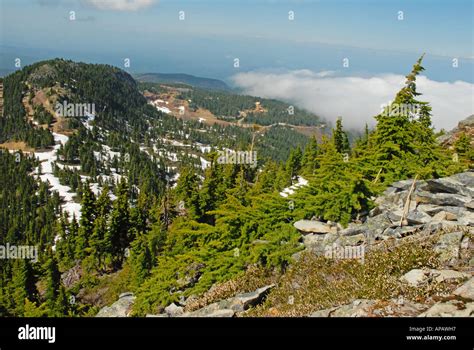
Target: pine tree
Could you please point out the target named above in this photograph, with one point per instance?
(309, 162)
(404, 143)
(53, 283)
(337, 192)
(140, 260)
(65, 244)
(23, 285)
(86, 222)
(62, 302)
(265, 179)
(293, 165)
(462, 145)
(97, 239)
(187, 190)
(117, 238)
(241, 189)
(340, 139)
(211, 193)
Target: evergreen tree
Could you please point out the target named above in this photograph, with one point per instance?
(62, 302)
(23, 285)
(140, 260)
(97, 240)
(117, 238)
(187, 190)
(463, 147)
(86, 222)
(293, 165)
(53, 277)
(340, 139)
(241, 189)
(309, 162)
(338, 191)
(211, 193)
(404, 143)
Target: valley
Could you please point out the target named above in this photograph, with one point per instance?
(139, 205)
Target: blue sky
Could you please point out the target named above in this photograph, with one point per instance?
(299, 61)
(257, 32)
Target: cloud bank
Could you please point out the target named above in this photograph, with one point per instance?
(358, 99)
(121, 5)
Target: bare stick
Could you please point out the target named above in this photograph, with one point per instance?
(407, 203)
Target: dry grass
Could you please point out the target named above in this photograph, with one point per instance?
(16, 146)
(254, 277)
(316, 283)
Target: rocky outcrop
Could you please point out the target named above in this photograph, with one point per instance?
(445, 204)
(451, 308)
(314, 226)
(444, 207)
(174, 310)
(373, 308)
(466, 291)
(121, 308)
(458, 304)
(71, 276)
(225, 308)
(464, 126)
(419, 277)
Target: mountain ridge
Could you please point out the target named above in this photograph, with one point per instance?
(183, 78)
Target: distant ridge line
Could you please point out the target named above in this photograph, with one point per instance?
(182, 78)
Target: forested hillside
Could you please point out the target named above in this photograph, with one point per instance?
(160, 214)
(186, 79)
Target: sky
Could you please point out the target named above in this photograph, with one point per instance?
(273, 40)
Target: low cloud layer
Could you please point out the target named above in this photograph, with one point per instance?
(358, 99)
(121, 5)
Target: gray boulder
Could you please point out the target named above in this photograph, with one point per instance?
(351, 240)
(449, 275)
(442, 199)
(121, 308)
(466, 218)
(416, 277)
(316, 243)
(466, 178)
(448, 247)
(358, 308)
(449, 185)
(174, 310)
(229, 307)
(451, 308)
(466, 291)
(313, 226)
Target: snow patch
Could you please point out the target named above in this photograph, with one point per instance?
(301, 182)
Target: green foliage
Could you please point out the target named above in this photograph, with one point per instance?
(463, 147)
(337, 192)
(324, 283)
(403, 143)
(340, 139)
(228, 106)
(164, 242)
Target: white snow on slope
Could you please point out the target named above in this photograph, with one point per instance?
(290, 190)
(163, 109)
(47, 159)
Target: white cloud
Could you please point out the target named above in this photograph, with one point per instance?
(358, 99)
(121, 5)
